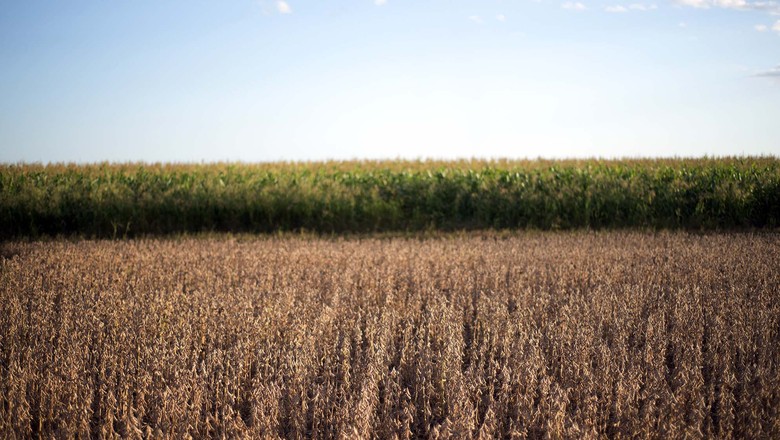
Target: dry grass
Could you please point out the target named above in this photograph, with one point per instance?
(574, 335)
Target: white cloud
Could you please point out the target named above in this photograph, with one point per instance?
(476, 19)
(642, 7)
(634, 7)
(501, 17)
(773, 73)
(573, 6)
(380, 2)
(283, 7)
(731, 4)
(760, 27)
(701, 4)
(770, 6)
(776, 26)
(682, 24)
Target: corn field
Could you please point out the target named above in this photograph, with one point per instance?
(132, 200)
(469, 335)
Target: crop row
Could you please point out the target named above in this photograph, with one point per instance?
(106, 200)
(578, 335)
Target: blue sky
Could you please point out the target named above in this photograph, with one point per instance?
(249, 80)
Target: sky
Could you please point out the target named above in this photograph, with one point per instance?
(266, 80)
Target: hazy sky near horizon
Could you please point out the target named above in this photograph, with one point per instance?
(249, 80)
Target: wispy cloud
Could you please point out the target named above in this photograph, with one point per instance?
(731, 4)
(641, 7)
(574, 6)
(476, 19)
(701, 4)
(380, 2)
(283, 7)
(773, 73)
(501, 17)
(769, 6)
(764, 28)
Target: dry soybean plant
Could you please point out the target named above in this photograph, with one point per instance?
(540, 335)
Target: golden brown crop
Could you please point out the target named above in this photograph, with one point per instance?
(542, 335)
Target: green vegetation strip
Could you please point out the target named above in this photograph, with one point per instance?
(105, 200)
